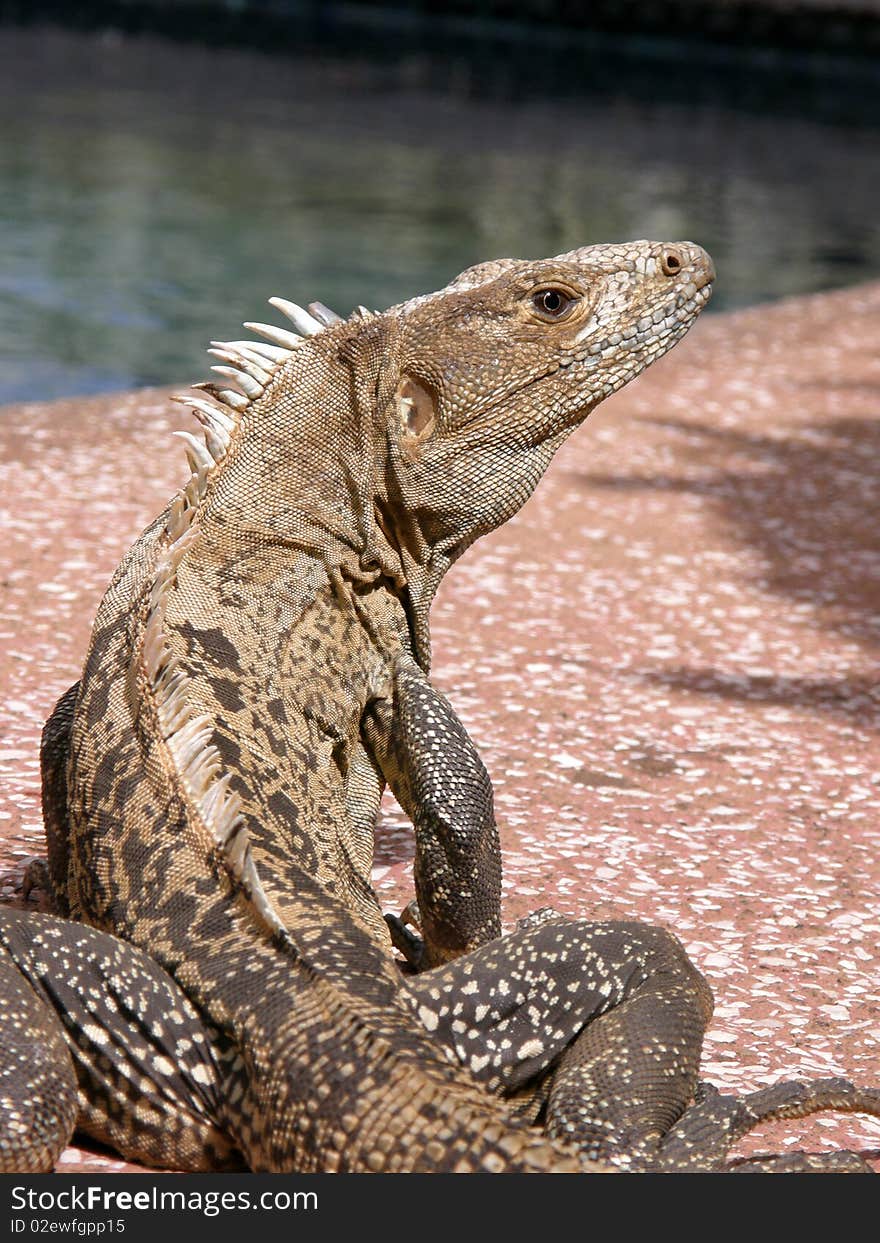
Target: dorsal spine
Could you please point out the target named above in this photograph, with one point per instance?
(187, 734)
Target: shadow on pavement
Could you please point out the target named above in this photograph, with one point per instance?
(808, 503)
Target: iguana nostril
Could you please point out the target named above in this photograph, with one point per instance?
(671, 262)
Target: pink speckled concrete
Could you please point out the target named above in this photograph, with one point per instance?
(667, 661)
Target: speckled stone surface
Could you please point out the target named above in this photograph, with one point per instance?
(668, 662)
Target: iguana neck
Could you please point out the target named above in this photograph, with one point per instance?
(279, 483)
(307, 470)
(426, 541)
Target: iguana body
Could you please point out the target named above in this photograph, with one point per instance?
(257, 673)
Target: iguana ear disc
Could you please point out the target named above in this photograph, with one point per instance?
(416, 411)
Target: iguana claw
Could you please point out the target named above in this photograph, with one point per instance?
(404, 941)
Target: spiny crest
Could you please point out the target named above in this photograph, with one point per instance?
(249, 366)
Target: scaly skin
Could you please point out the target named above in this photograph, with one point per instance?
(258, 671)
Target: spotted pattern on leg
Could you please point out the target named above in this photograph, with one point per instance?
(615, 1010)
(152, 1076)
(38, 1095)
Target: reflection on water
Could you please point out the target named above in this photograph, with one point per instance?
(153, 195)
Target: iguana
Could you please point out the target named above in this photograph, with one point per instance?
(227, 993)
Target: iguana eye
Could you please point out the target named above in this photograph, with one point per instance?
(552, 303)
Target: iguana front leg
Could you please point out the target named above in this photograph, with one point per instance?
(441, 783)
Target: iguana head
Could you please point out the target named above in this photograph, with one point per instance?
(482, 382)
(386, 444)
